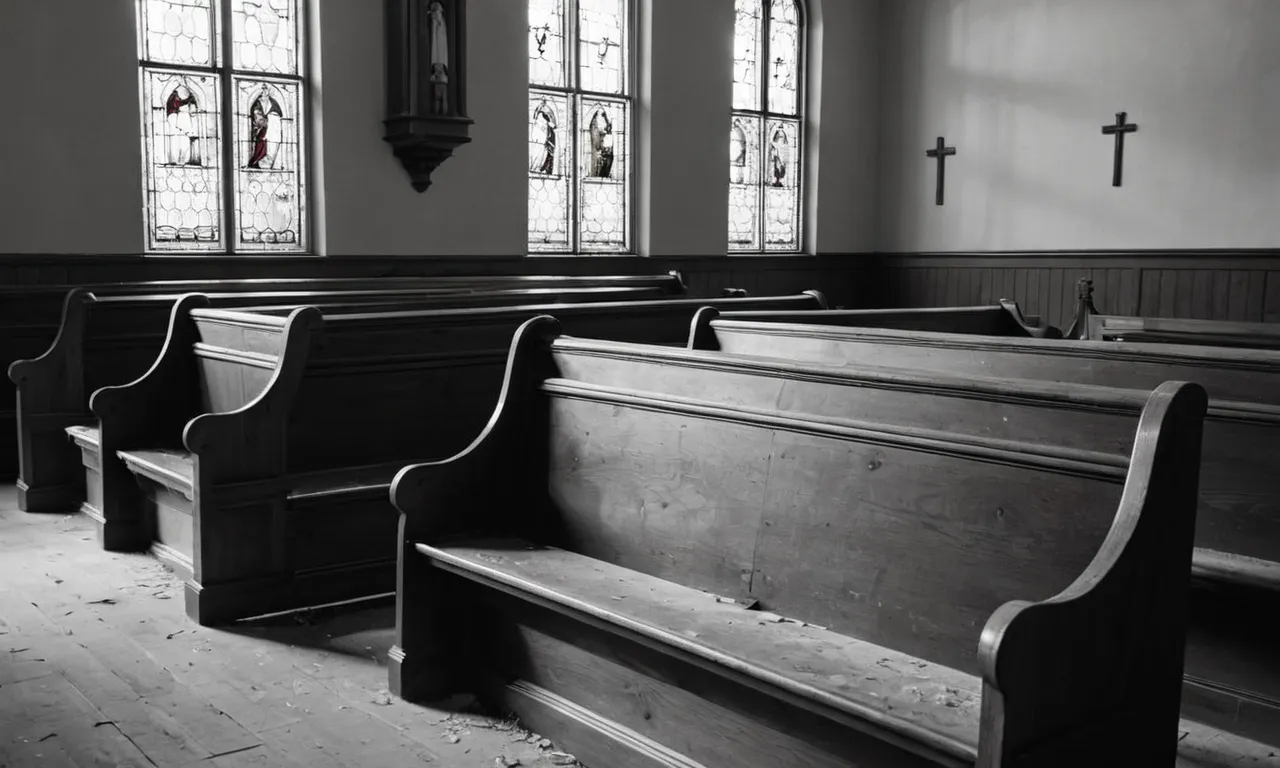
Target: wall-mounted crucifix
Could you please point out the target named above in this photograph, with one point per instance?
(1119, 130)
(941, 153)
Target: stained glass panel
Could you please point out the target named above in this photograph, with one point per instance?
(744, 183)
(603, 205)
(782, 185)
(547, 21)
(602, 46)
(746, 54)
(177, 32)
(269, 172)
(265, 35)
(784, 57)
(182, 161)
(550, 172)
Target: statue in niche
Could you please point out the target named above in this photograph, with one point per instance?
(779, 154)
(601, 131)
(543, 143)
(265, 131)
(439, 38)
(439, 89)
(183, 132)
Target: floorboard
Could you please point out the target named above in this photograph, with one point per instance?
(99, 666)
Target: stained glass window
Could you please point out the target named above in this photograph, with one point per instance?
(580, 121)
(223, 101)
(765, 154)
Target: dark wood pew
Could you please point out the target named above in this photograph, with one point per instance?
(30, 314)
(1163, 330)
(112, 339)
(1003, 319)
(257, 452)
(698, 565)
(1233, 671)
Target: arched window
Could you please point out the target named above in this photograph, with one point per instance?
(223, 119)
(766, 162)
(580, 85)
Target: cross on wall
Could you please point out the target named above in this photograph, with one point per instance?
(941, 152)
(1119, 130)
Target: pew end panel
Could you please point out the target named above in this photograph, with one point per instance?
(1050, 695)
(235, 543)
(1021, 321)
(147, 412)
(701, 336)
(423, 663)
(50, 398)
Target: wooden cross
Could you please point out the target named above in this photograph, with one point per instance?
(942, 152)
(1119, 130)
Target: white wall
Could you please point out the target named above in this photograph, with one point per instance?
(70, 174)
(1022, 88)
(70, 147)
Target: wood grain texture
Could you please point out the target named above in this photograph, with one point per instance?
(820, 520)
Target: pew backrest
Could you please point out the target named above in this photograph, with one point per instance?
(1162, 330)
(1003, 319)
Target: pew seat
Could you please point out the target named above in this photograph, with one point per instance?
(833, 676)
(930, 594)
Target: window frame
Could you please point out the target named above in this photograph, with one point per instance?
(764, 114)
(224, 73)
(574, 93)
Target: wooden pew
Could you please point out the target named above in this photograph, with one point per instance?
(1233, 671)
(1003, 319)
(30, 314)
(604, 591)
(1163, 330)
(257, 452)
(113, 339)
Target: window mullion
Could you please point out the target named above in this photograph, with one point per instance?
(575, 100)
(228, 125)
(761, 206)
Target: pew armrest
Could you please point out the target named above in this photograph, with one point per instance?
(157, 404)
(250, 441)
(1036, 330)
(468, 491)
(1105, 656)
(50, 372)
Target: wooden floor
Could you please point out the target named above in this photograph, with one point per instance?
(100, 667)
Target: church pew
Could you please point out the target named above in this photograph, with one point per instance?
(1163, 330)
(113, 339)
(30, 314)
(685, 572)
(1003, 319)
(1233, 672)
(257, 452)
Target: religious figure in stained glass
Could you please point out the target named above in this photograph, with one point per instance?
(601, 130)
(265, 131)
(543, 141)
(579, 124)
(765, 150)
(779, 154)
(737, 154)
(183, 124)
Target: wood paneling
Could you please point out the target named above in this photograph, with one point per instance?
(1207, 285)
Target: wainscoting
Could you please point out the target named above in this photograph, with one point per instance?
(842, 277)
(1211, 285)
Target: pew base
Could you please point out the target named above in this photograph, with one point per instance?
(212, 604)
(49, 499)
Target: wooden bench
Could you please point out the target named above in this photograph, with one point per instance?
(112, 339)
(1233, 672)
(30, 314)
(1003, 319)
(1163, 330)
(257, 453)
(685, 570)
